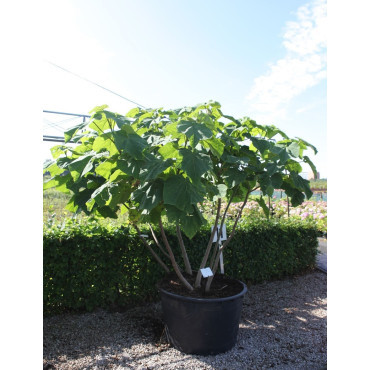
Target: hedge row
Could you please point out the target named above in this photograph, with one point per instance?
(89, 266)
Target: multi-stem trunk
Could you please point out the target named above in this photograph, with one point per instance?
(217, 259)
(172, 258)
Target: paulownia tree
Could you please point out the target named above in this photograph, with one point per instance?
(153, 163)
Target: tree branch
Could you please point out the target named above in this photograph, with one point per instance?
(157, 242)
(214, 267)
(222, 224)
(209, 246)
(155, 255)
(172, 257)
(183, 251)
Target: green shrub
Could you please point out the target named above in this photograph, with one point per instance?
(88, 265)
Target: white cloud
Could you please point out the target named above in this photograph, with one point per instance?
(303, 66)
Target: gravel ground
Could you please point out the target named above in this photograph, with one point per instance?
(283, 325)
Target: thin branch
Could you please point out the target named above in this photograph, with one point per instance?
(222, 224)
(209, 246)
(155, 255)
(157, 242)
(172, 257)
(214, 267)
(183, 251)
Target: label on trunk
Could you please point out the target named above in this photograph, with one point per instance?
(206, 272)
(223, 233)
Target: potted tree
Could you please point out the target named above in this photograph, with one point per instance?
(158, 163)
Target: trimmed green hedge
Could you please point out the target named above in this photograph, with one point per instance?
(89, 266)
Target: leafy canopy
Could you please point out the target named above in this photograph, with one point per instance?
(156, 162)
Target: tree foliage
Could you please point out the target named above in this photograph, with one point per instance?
(155, 162)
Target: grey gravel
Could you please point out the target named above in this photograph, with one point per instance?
(283, 326)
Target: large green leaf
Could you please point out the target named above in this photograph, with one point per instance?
(119, 194)
(105, 168)
(308, 144)
(154, 168)
(169, 150)
(190, 222)
(132, 144)
(58, 182)
(105, 142)
(77, 166)
(195, 164)
(261, 144)
(181, 193)
(102, 194)
(149, 195)
(264, 207)
(302, 184)
(216, 146)
(313, 167)
(266, 185)
(233, 177)
(194, 131)
(70, 133)
(293, 149)
(131, 167)
(276, 180)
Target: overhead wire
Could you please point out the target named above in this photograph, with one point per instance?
(96, 84)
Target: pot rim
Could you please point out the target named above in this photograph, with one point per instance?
(206, 300)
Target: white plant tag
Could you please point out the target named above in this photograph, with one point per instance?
(223, 233)
(206, 272)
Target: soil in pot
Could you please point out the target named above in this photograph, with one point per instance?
(222, 286)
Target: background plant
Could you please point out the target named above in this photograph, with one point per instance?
(160, 163)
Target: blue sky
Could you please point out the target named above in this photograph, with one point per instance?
(265, 60)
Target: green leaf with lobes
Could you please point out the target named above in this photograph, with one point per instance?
(154, 168)
(132, 144)
(181, 193)
(149, 195)
(190, 222)
(261, 144)
(131, 167)
(194, 131)
(195, 164)
(70, 133)
(293, 149)
(264, 207)
(233, 177)
(216, 146)
(77, 166)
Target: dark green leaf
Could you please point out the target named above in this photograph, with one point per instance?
(194, 131)
(181, 193)
(132, 144)
(195, 164)
(261, 144)
(263, 205)
(233, 177)
(154, 168)
(276, 180)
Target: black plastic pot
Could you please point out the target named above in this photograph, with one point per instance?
(202, 326)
